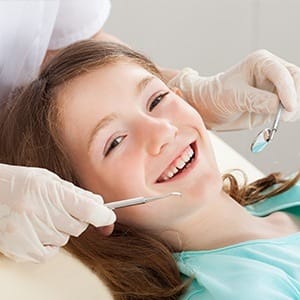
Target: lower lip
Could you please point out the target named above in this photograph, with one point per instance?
(185, 171)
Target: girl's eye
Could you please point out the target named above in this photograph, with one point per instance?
(157, 100)
(114, 144)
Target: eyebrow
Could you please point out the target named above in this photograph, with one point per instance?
(101, 124)
(143, 83)
(107, 119)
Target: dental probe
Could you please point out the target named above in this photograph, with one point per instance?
(138, 200)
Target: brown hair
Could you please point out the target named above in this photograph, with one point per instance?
(29, 136)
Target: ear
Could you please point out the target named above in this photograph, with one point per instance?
(177, 91)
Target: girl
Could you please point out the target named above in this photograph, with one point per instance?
(101, 116)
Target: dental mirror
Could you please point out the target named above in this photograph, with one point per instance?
(267, 134)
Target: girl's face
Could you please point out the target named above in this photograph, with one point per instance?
(129, 135)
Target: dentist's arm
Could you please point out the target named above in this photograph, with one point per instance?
(245, 96)
(39, 212)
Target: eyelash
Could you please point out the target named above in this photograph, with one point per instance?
(114, 144)
(153, 104)
(157, 100)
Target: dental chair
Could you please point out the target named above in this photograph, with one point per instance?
(64, 277)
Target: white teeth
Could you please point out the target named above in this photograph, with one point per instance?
(174, 170)
(170, 174)
(185, 157)
(178, 164)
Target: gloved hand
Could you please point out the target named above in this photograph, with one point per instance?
(245, 96)
(39, 211)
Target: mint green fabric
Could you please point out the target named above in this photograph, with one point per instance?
(259, 269)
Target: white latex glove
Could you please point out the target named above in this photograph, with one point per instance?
(39, 211)
(245, 96)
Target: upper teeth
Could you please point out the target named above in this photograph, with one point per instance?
(177, 165)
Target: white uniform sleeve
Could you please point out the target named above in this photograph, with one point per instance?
(25, 31)
(77, 20)
(29, 28)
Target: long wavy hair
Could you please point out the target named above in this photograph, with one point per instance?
(134, 264)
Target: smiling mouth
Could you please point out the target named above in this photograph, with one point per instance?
(179, 165)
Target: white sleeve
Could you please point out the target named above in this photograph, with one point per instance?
(77, 20)
(26, 28)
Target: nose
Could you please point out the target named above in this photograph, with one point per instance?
(156, 133)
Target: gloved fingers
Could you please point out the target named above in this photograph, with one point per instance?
(45, 172)
(295, 73)
(294, 113)
(48, 233)
(20, 241)
(65, 225)
(55, 220)
(69, 225)
(259, 119)
(282, 79)
(264, 103)
(84, 205)
(286, 80)
(259, 101)
(70, 207)
(45, 254)
(30, 256)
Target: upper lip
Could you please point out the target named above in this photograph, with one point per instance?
(179, 153)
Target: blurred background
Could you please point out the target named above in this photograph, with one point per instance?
(210, 36)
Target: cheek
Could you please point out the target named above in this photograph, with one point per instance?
(131, 215)
(122, 180)
(179, 109)
(153, 217)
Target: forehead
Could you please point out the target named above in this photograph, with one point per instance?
(106, 80)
